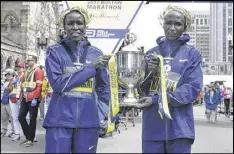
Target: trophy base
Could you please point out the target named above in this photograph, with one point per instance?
(130, 102)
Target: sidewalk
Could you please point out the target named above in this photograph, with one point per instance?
(219, 137)
(199, 114)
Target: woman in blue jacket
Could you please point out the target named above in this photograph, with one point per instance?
(75, 69)
(176, 135)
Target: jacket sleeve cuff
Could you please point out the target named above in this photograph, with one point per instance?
(93, 69)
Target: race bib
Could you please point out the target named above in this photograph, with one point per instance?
(29, 86)
(83, 91)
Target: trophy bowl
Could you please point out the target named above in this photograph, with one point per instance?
(131, 71)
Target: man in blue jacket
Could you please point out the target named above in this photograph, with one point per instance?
(176, 135)
(75, 69)
(6, 112)
(212, 99)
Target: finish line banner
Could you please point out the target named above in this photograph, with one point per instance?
(111, 20)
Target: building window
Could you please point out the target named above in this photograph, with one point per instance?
(229, 21)
(201, 21)
(11, 23)
(229, 30)
(197, 21)
(230, 12)
(230, 4)
(206, 22)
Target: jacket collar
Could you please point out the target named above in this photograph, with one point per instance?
(183, 39)
(72, 45)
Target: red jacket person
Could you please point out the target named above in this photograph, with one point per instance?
(31, 93)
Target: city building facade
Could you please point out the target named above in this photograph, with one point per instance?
(221, 26)
(21, 22)
(199, 32)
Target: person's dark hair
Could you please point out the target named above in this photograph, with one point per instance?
(64, 19)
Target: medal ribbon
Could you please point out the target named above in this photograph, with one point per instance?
(111, 126)
(114, 88)
(163, 107)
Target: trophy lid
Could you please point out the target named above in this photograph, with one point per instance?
(130, 38)
(130, 48)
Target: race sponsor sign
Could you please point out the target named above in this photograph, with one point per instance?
(111, 20)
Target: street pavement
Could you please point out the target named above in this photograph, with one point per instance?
(210, 138)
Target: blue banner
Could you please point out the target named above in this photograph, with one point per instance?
(106, 33)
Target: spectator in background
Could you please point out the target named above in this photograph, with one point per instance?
(31, 93)
(227, 96)
(199, 98)
(15, 91)
(6, 113)
(212, 98)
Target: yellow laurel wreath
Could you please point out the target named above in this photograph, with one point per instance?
(179, 9)
(87, 15)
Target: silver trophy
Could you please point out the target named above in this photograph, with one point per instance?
(131, 69)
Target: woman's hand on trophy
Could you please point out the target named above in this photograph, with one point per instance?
(153, 64)
(101, 61)
(145, 102)
(125, 109)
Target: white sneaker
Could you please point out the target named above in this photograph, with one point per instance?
(16, 137)
(11, 135)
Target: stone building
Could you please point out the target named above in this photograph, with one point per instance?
(20, 24)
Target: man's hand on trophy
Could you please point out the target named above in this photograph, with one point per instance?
(144, 102)
(101, 61)
(153, 64)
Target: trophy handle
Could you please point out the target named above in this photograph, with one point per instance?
(139, 82)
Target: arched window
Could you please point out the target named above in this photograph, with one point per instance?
(9, 63)
(11, 23)
(2, 61)
(17, 61)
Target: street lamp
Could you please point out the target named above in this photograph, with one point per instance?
(42, 43)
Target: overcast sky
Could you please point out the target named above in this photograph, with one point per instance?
(147, 26)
